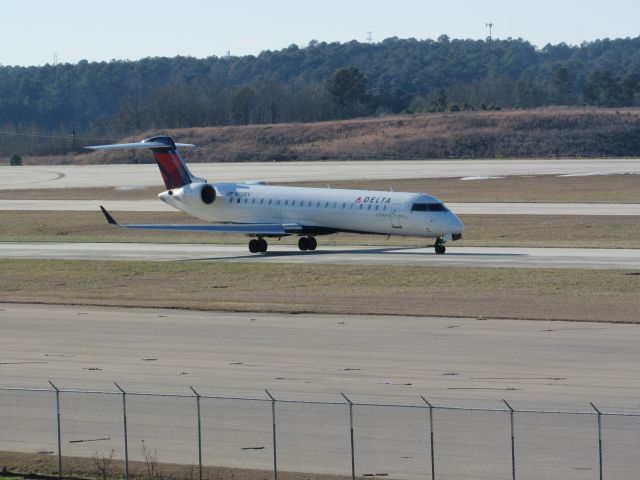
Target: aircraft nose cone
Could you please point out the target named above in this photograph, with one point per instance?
(456, 224)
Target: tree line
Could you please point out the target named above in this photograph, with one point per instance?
(321, 81)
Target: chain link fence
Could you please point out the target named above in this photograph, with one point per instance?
(118, 434)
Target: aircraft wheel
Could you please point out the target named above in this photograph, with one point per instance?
(312, 243)
(303, 243)
(262, 245)
(254, 246)
(440, 249)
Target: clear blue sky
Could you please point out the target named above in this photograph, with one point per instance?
(33, 30)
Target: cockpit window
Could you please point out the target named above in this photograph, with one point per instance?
(428, 207)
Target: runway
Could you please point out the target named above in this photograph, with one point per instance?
(142, 175)
(329, 255)
(602, 209)
(452, 362)
(318, 356)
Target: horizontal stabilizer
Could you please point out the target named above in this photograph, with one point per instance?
(124, 146)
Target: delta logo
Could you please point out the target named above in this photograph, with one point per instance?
(373, 200)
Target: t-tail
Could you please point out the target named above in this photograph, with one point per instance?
(172, 166)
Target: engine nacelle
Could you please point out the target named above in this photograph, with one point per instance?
(195, 194)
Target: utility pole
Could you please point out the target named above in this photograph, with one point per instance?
(370, 37)
(490, 26)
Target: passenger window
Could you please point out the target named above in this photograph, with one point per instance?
(261, 201)
(253, 201)
(361, 206)
(270, 200)
(230, 199)
(369, 207)
(293, 203)
(377, 207)
(344, 205)
(318, 204)
(238, 201)
(335, 204)
(326, 204)
(246, 200)
(286, 202)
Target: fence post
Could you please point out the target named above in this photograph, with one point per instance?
(126, 437)
(58, 428)
(513, 442)
(275, 445)
(353, 449)
(199, 432)
(599, 437)
(433, 458)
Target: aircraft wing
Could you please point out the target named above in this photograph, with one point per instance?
(243, 228)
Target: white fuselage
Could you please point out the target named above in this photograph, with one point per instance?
(390, 213)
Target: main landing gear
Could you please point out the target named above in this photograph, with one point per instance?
(307, 243)
(258, 245)
(439, 246)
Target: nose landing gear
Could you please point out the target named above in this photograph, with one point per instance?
(439, 247)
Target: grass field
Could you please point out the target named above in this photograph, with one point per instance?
(587, 189)
(100, 469)
(481, 230)
(523, 133)
(598, 295)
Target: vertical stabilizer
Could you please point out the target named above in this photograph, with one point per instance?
(172, 166)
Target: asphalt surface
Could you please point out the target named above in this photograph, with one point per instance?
(455, 256)
(373, 359)
(72, 176)
(607, 209)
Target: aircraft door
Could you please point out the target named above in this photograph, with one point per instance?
(396, 221)
(279, 212)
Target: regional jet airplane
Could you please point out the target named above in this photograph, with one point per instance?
(262, 211)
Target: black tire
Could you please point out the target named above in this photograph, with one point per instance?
(254, 246)
(303, 243)
(440, 249)
(262, 245)
(312, 243)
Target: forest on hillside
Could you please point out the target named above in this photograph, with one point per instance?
(321, 81)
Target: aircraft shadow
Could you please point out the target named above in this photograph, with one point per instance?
(367, 251)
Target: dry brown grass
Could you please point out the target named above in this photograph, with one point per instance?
(79, 467)
(545, 132)
(568, 294)
(481, 230)
(545, 188)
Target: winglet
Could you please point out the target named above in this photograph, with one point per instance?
(108, 216)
